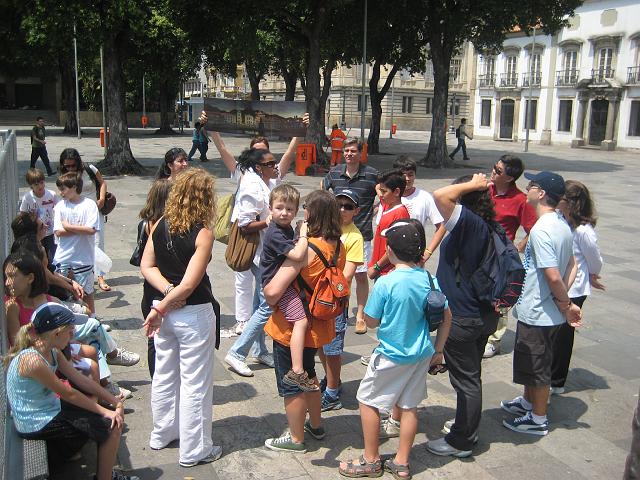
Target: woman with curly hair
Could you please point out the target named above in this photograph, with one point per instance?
(182, 322)
(469, 215)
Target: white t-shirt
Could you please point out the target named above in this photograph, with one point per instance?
(76, 250)
(88, 187)
(588, 258)
(422, 207)
(43, 207)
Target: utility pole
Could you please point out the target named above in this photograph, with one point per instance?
(363, 102)
(527, 111)
(75, 56)
(104, 103)
(393, 103)
(144, 103)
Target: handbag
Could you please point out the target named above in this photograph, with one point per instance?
(241, 248)
(434, 309)
(109, 200)
(223, 222)
(143, 236)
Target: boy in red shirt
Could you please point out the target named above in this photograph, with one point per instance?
(390, 188)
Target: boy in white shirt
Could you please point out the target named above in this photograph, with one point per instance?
(76, 220)
(41, 201)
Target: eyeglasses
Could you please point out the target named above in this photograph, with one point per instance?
(497, 169)
(346, 206)
(68, 167)
(270, 164)
(532, 186)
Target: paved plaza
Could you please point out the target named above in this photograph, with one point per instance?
(590, 424)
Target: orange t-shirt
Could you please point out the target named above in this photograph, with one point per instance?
(321, 331)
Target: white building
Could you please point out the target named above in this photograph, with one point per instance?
(585, 82)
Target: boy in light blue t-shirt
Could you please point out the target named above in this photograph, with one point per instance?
(397, 372)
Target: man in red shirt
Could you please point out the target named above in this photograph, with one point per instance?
(512, 211)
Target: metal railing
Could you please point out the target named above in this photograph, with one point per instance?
(567, 78)
(536, 79)
(633, 75)
(600, 75)
(486, 80)
(509, 80)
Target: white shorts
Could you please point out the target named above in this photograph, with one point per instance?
(367, 258)
(387, 383)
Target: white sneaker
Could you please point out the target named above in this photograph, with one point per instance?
(238, 366)
(107, 327)
(490, 350)
(117, 391)
(124, 358)
(215, 454)
(556, 390)
(389, 428)
(240, 327)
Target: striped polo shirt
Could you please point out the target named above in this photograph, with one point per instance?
(364, 183)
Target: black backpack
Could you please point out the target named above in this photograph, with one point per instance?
(434, 308)
(499, 278)
(458, 132)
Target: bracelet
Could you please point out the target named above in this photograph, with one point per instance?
(160, 312)
(377, 267)
(426, 250)
(168, 288)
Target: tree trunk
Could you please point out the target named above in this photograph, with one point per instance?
(290, 81)
(315, 132)
(119, 159)
(254, 81)
(165, 101)
(437, 153)
(68, 94)
(373, 141)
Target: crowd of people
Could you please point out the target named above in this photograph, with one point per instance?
(361, 224)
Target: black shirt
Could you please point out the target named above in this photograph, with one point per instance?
(277, 242)
(364, 183)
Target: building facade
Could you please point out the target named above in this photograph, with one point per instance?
(583, 83)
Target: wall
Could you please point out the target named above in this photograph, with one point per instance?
(90, 118)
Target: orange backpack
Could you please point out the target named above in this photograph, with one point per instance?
(330, 295)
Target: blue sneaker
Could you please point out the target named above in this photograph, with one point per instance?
(323, 385)
(526, 424)
(514, 406)
(329, 403)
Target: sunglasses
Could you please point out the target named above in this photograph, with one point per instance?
(346, 206)
(532, 186)
(497, 169)
(72, 166)
(436, 369)
(270, 164)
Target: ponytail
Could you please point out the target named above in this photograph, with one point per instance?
(24, 339)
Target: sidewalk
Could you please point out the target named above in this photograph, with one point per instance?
(590, 424)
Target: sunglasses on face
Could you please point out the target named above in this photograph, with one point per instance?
(531, 186)
(70, 167)
(497, 169)
(270, 164)
(346, 206)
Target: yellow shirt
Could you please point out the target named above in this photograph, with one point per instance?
(353, 243)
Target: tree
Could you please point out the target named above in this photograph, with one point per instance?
(485, 23)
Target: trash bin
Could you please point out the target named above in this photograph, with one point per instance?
(145, 121)
(305, 157)
(102, 139)
(394, 128)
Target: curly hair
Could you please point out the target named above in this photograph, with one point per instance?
(324, 218)
(479, 202)
(250, 158)
(581, 208)
(191, 202)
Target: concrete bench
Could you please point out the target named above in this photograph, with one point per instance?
(27, 459)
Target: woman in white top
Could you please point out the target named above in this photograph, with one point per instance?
(577, 208)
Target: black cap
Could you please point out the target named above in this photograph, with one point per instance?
(403, 238)
(551, 183)
(350, 194)
(50, 316)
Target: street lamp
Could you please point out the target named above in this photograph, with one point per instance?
(527, 111)
(363, 103)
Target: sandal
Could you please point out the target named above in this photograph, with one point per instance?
(104, 286)
(361, 468)
(401, 472)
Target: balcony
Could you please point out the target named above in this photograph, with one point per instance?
(567, 78)
(599, 76)
(508, 80)
(633, 75)
(486, 81)
(535, 77)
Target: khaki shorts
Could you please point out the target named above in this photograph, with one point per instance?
(387, 383)
(367, 257)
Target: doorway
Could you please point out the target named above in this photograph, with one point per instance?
(506, 118)
(598, 121)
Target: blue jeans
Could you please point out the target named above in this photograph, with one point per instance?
(253, 333)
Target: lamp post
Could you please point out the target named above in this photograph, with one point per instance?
(527, 111)
(75, 57)
(363, 103)
(393, 103)
(144, 103)
(104, 103)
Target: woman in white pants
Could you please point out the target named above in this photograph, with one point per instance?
(183, 325)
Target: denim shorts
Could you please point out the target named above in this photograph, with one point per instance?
(282, 361)
(336, 346)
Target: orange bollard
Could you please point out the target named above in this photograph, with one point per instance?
(394, 128)
(305, 157)
(145, 121)
(363, 155)
(102, 138)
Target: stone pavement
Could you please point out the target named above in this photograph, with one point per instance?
(590, 434)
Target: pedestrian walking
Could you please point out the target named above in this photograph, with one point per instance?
(39, 146)
(461, 133)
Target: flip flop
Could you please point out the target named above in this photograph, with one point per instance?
(104, 286)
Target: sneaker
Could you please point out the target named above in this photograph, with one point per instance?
(300, 380)
(107, 327)
(329, 403)
(215, 454)
(490, 350)
(389, 428)
(117, 391)
(442, 448)
(285, 444)
(451, 157)
(124, 358)
(317, 433)
(556, 390)
(364, 360)
(120, 476)
(446, 428)
(266, 359)
(466, 158)
(239, 327)
(323, 385)
(238, 366)
(514, 406)
(526, 424)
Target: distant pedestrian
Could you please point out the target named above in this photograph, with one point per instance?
(39, 146)
(204, 139)
(461, 132)
(195, 141)
(337, 139)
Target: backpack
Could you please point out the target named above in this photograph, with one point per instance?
(330, 295)
(434, 308)
(499, 278)
(458, 132)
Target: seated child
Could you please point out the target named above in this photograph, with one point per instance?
(278, 244)
(397, 372)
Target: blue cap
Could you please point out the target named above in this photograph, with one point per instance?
(50, 316)
(350, 194)
(550, 182)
